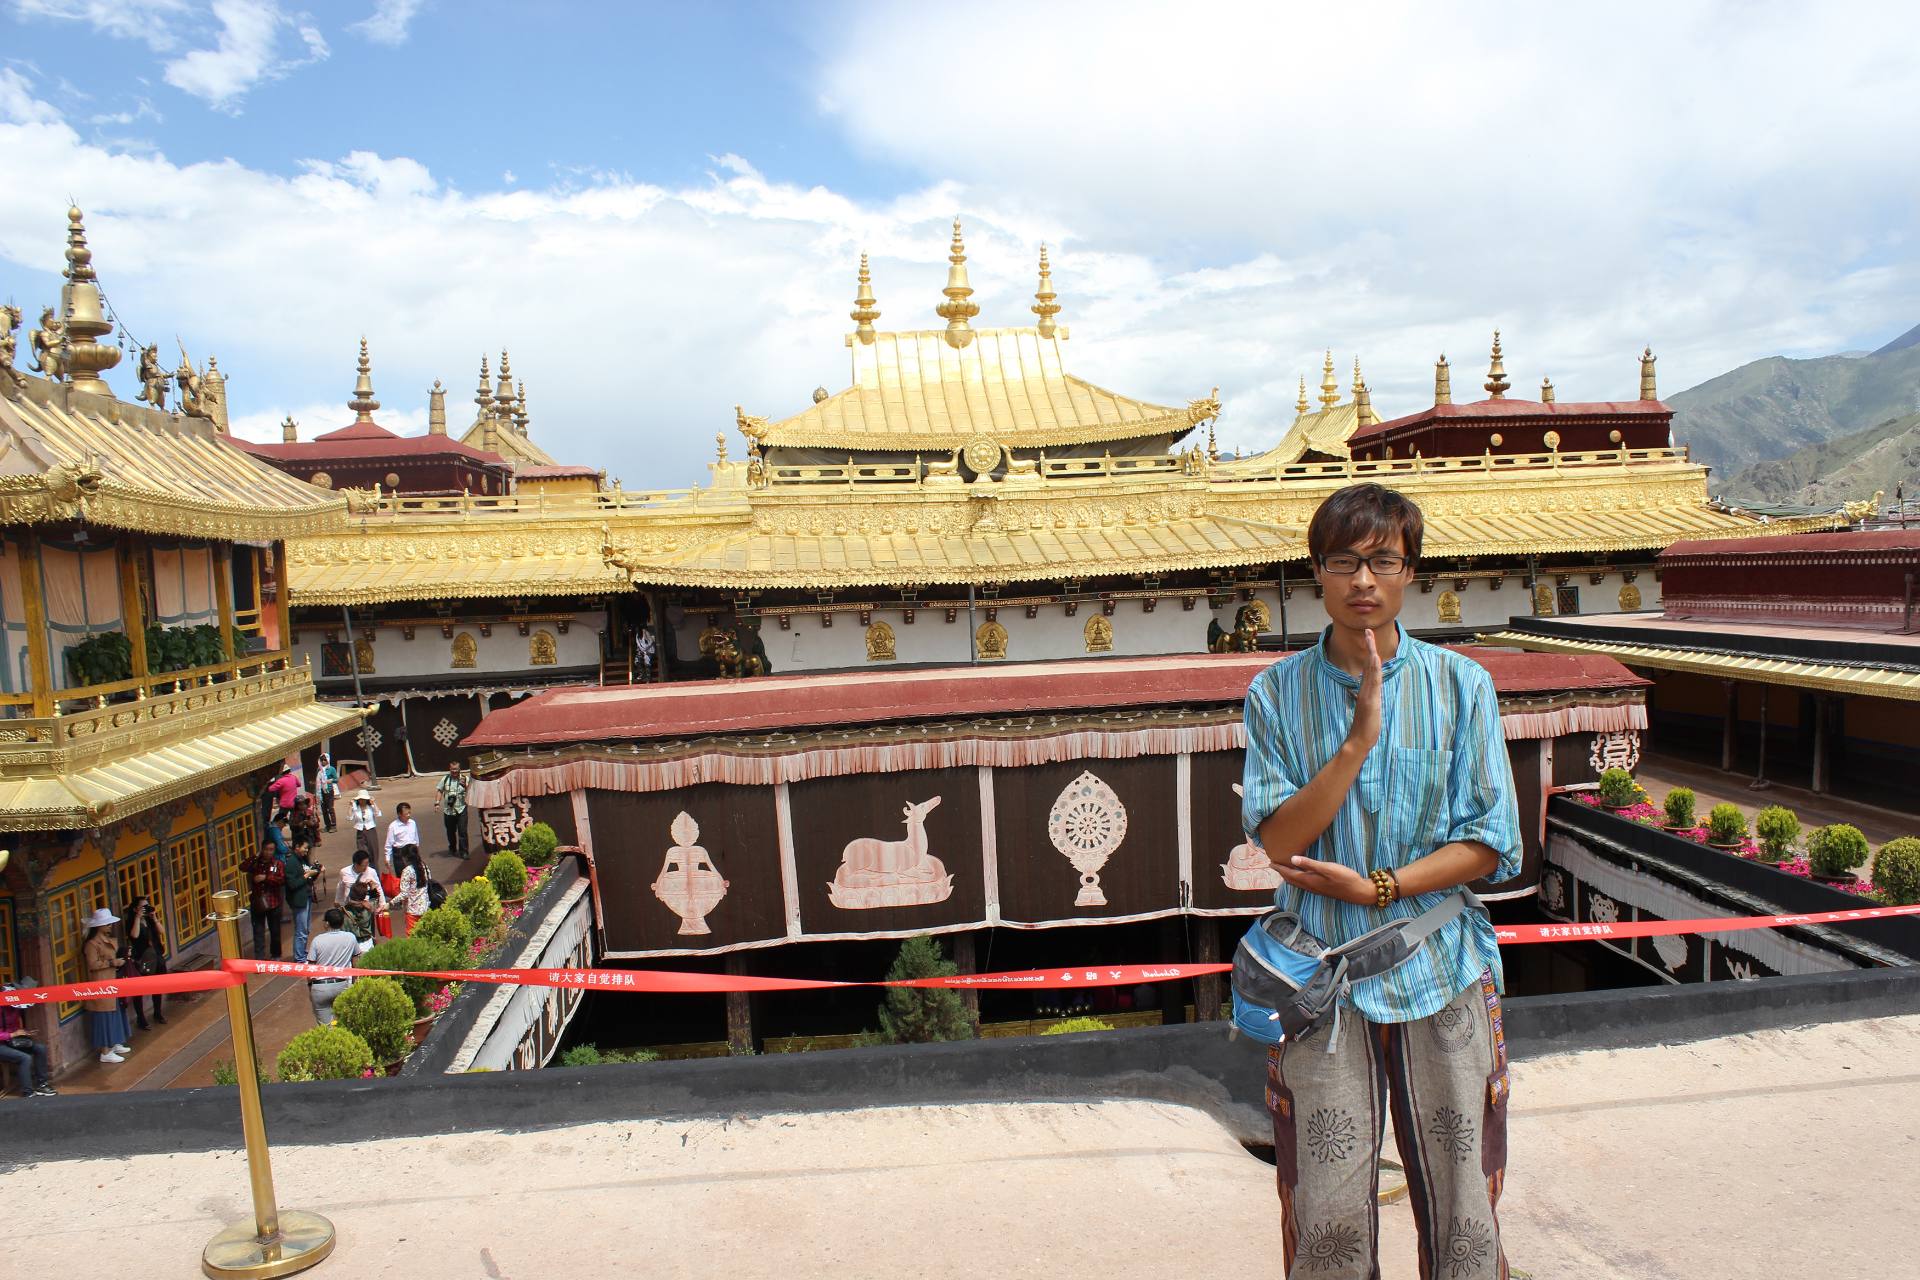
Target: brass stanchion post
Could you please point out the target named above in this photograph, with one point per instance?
(274, 1243)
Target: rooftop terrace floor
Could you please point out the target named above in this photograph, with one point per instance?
(1774, 1153)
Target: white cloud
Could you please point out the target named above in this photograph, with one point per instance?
(17, 103)
(149, 21)
(389, 22)
(246, 51)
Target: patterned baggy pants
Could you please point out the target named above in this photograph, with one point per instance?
(1443, 1079)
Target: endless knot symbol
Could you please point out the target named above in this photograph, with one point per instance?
(369, 738)
(446, 732)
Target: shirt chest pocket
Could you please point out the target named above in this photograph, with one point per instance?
(1419, 799)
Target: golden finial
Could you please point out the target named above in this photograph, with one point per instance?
(720, 446)
(363, 404)
(82, 357)
(1362, 400)
(437, 410)
(1647, 390)
(1497, 383)
(503, 393)
(289, 430)
(1546, 391)
(484, 396)
(1329, 388)
(79, 257)
(1300, 405)
(1442, 381)
(1044, 305)
(520, 408)
(864, 311)
(959, 307)
(821, 393)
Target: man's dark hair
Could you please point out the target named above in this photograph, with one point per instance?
(402, 807)
(360, 893)
(1361, 513)
(360, 856)
(336, 918)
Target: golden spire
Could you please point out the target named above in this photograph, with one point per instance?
(1044, 305)
(1546, 391)
(289, 430)
(437, 410)
(719, 446)
(1329, 388)
(959, 307)
(864, 311)
(520, 408)
(1363, 414)
(1497, 383)
(484, 396)
(1300, 405)
(1442, 381)
(1358, 381)
(1647, 390)
(82, 358)
(363, 404)
(503, 394)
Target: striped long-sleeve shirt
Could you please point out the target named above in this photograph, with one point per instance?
(1439, 773)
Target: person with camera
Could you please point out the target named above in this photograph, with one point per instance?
(266, 890)
(302, 873)
(146, 944)
(103, 955)
(21, 1051)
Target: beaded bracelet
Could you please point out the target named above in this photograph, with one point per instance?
(1386, 887)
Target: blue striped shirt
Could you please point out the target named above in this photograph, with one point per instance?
(1439, 773)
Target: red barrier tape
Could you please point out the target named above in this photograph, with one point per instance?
(233, 972)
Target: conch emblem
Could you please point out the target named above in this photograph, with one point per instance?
(1087, 823)
(892, 873)
(689, 884)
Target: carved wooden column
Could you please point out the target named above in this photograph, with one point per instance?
(282, 597)
(1730, 725)
(1206, 988)
(133, 616)
(39, 644)
(965, 961)
(223, 591)
(739, 1010)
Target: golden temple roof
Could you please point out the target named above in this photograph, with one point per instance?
(1323, 431)
(917, 391)
(67, 455)
(1797, 673)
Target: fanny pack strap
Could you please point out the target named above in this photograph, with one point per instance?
(1352, 962)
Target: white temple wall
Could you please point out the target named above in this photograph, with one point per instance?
(431, 654)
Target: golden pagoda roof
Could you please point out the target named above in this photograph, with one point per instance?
(500, 437)
(1323, 431)
(66, 455)
(917, 391)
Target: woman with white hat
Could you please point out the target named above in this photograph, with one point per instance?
(365, 815)
(103, 955)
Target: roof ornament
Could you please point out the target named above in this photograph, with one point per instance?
(1044, 304)
(1546, 391)
(484, 396)
(719, 446)
(503, 394)
(864, 312)
(1442, 381)
(437, 410)
(1647, 390)
(959, 306)
(820, 394)
(520, 418)
(1363, 414)
(289, 430)
(81, 358)
(363, 404)
(1497, 383)
(1329, 387)
(1300, 405)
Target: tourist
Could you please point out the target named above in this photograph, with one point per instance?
(1378, 783)
(266, 893)
(20, 1050)
(103, 955)
(326, 786)
(146, 947)
(360, 873)
(335, 948)
(365, 816)
(402, 833)
(361, 920)
(413, 883)
(644, 657)
(302, 872)
(282, 791)
(304, 821)
(450, 798)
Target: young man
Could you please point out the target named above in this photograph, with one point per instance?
(266, 888)
(450, 798)
(326, 786)
(335, 948)
(302, 872)
(360, 875)
(402, 832)
(1377, 782)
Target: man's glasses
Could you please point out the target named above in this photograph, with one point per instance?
(1382, 564)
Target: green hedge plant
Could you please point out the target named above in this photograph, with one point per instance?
(1777, 828)
(1726, 824)
(591, 1055)
(537, 844)
(380, 1012)
(1896, 871)
(448, 926)
(1679, 808)
(413, 955)
(477, 901)
(1618, 789)
(325, 1053)
(1069, 1026)
(509, 875)
(1835, 850)
(922, 1015)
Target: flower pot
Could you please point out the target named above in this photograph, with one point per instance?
(1712, 843)
(421, 1026)
(1844, 878)
(1690, 826)
(393, 1068)
(513, 902)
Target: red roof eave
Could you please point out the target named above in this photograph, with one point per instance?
(1459, 415)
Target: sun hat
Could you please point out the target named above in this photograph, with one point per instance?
(100, 916)
(362, 794)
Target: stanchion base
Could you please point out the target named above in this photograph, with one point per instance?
(1393, 1182)
(305, 1240)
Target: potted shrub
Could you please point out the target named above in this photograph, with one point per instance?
(447, 925)
(381, 1013)
(1896, 872)
(1070, 1026)
(477, 901)
(537, 844)
(1679, 810)
(509, 876)
(325, 1053)
(413, 956)
(1726, 826)
(1834, 851)
(1618, 789)
(1777, 828)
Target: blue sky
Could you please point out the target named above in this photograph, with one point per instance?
(658, 208)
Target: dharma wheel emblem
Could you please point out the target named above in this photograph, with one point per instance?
(981, 455)
(1087, 823)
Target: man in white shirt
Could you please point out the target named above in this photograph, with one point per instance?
(403, 830)
(336, 948)
(361, 872)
